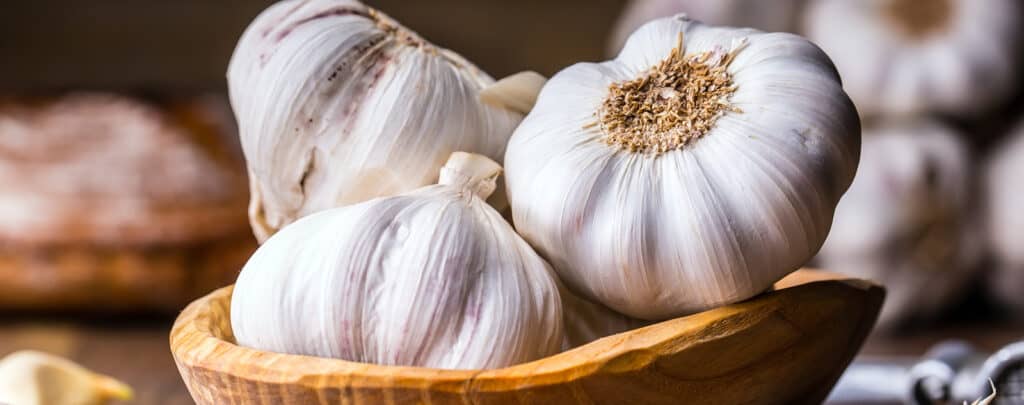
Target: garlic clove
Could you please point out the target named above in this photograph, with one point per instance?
(35, 378)
(517, 92)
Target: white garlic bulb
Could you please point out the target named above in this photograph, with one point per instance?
(905, 220)
(432, 278)
(1005, 221)
(765, 15)
(903, 57)
(696, 169)
(337, 104)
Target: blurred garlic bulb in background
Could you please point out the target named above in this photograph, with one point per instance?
(36, 378)
(765, 15)
(694, 170)
(901, 57)
(1004, 183)
(338, 104)
(905, 222)
(432, 278)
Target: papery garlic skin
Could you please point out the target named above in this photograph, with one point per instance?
(765, 15)
(433, 278)
(338, 104)
(713, 222)
(1004, 196)
(905, 222)
(962, 66)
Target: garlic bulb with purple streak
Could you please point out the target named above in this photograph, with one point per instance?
(905, 221)
(696, 169)
(432, 278)
(337, 104)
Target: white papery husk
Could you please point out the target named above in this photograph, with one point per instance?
(1004, 196)
(765, 15)
(338, 104)
(905, 222)
(432, 278)
(962, 69)
(715, 222)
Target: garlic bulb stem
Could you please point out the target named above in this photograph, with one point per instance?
(472, 171)
(517, 92)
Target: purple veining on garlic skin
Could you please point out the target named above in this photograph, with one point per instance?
(334, 12)
(265, 32)
(377, 64)
(287, 30)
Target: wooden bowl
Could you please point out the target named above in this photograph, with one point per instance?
(788, 346)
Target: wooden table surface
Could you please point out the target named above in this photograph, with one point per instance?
(137, 351)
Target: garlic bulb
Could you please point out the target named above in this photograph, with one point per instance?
(337, 104)
(694, 170)
(35, 378)
(905, 222)
(432, 278)
(1005, 222)
(765, 15)
(902, 57)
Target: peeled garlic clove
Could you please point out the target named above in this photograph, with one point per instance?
(338, 103)
(1004, 198)
(905, 222)
(655, 209)
(771, 16)
(904, 57)
(34, 378)
(432, 278)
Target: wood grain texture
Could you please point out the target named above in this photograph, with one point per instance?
(787, 346)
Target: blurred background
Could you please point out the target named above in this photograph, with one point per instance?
(123, 191)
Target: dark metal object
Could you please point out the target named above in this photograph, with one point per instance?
(950, 373)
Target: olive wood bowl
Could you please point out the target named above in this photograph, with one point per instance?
(787, 346)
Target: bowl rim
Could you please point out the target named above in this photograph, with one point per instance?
(195, 344)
